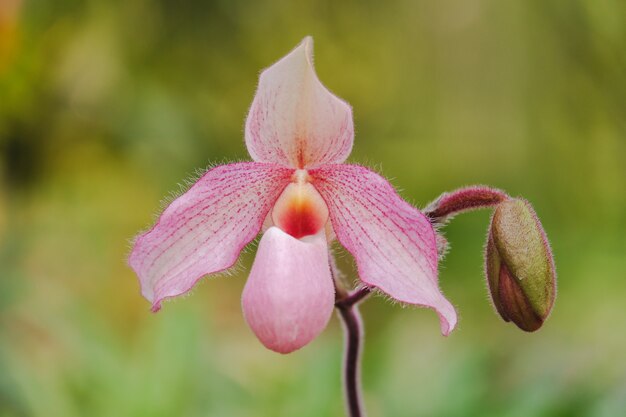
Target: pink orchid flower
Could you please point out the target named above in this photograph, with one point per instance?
(302, 195)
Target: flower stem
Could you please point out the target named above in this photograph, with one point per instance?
(347, 305)
(464, 199)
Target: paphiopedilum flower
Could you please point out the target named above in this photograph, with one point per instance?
(302, 195)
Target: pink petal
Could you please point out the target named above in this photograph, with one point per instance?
(290, 295)
(203, 231)
(294, 120)
(392, 242)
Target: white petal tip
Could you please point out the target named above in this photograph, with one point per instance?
(304, 51)
(307, 44)
(449, 320)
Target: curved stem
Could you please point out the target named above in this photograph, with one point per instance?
(464, 199)
(353, 330)
(348, 300)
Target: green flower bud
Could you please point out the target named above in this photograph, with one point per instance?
(519, 266)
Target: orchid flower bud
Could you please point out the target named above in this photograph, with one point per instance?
(519, 266)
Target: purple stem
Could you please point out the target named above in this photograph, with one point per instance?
(348, 300)
(465, 199)
(347, 305)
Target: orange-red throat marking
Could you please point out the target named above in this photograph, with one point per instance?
(300, 210)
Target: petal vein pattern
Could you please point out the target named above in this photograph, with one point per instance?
(392, 242)
(294, 120)
(204, 230)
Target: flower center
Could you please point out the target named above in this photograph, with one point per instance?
(300, 210)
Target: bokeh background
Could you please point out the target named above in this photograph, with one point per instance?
(106, 107)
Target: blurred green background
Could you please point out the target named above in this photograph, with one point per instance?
(107, 106)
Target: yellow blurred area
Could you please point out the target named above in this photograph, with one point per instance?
(107, 107)
(9, 35)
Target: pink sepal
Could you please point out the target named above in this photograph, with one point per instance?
(393, 243)
(204, 230)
